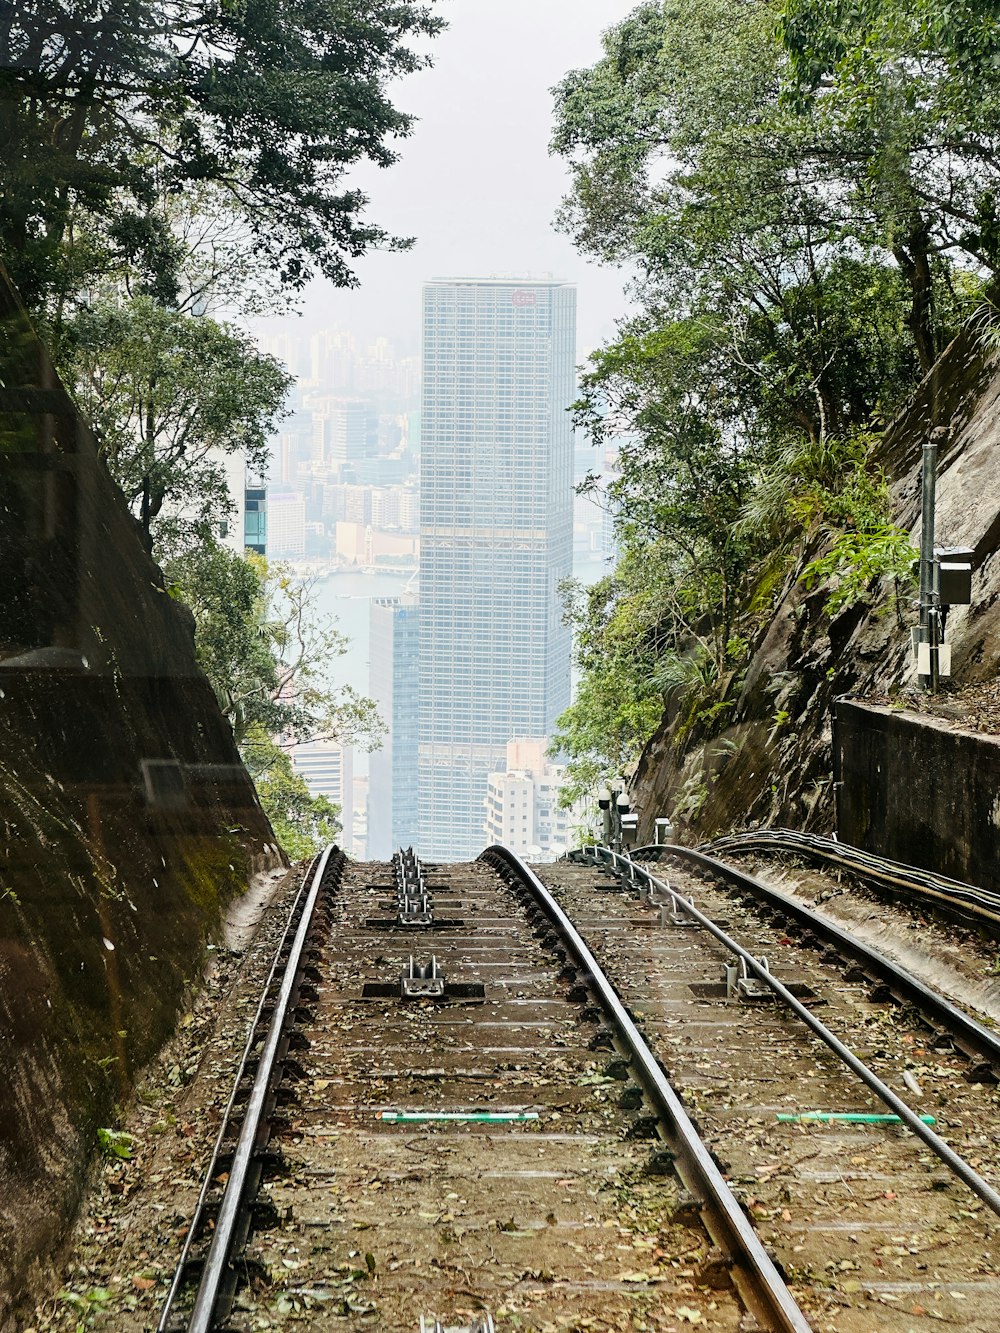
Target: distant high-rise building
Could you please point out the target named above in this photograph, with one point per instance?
(286, 522)
(495, 537)
(347, 430)
(393, 684)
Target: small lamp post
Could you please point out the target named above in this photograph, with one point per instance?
(604, 805)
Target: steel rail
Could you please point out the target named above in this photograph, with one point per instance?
(760, 1285)
(225, 1126)
(219, 1258)
(961, 1168)
(939, 889)
(972, 1037)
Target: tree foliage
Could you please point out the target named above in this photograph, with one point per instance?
(900, 104)
(268, 656)
(616, 707)
(107, 107)
(804, 194)
(302, 823)
(171, 395)
(266, 651)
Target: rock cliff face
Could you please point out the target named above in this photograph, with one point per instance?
(773, 764)
(127, 821)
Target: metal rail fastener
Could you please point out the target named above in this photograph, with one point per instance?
(760, 1285)
(414, 904)
(966, 1173)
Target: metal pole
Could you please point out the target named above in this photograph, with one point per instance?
(928, 583)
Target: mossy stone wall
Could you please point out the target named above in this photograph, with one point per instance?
(127, 821)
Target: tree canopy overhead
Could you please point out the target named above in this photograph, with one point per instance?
(731, 148)
(805, 193)
(107, 106)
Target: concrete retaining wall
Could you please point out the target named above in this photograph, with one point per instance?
(920, 790)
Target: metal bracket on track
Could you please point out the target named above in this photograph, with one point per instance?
(422, 981)
(741, 984)
(672, 912)
(413, 901)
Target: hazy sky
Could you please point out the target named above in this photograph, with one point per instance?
(475, 184)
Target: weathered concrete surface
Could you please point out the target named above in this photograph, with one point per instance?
(127, 821)
(919, 789)
(773, 762)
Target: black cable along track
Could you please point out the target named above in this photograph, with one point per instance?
(965, 902)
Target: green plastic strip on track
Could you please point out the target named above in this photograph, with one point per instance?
(480, 1117)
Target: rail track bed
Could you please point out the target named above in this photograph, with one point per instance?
(511, 1151)
(872, 1231)
(549, 1222)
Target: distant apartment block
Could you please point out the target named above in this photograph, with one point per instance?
(495, 537)
(393, 684)
(327, 768)
(522, 804)
(395, 507)
(286, 522)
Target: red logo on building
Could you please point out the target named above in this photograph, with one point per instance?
(522, 298)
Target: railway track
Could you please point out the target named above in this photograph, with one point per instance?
(467, 1123)
(468, 1133)
(864, 1212)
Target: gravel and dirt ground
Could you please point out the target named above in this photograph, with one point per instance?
(972, 707)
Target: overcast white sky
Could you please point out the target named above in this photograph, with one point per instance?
(475, 184)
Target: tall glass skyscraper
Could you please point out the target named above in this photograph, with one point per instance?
(495, 537)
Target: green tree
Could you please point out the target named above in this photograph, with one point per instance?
(266, 651)
(170, 394)
(617, 624)
(683, 468)
(779, 327)
(900, 106)
(302, 823)
(105, 106)
(692, 159)
(267, 655)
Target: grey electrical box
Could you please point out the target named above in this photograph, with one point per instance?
(954, 575)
